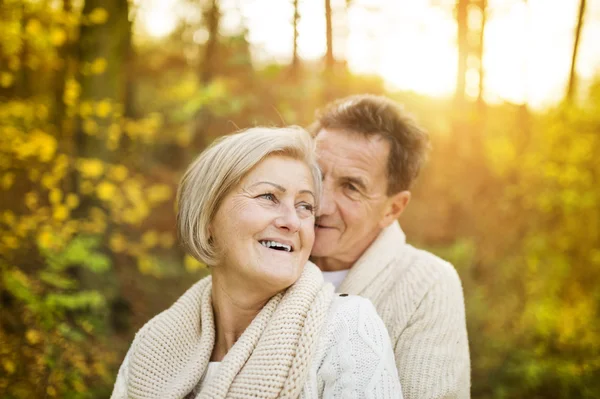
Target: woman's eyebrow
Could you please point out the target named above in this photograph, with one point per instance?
(277, 186)
(282, 189)
(308, 192)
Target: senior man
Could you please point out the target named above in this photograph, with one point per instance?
(370, 152)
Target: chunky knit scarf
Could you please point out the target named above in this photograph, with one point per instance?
(270, 360)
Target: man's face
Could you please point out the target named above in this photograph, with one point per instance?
(355, 201)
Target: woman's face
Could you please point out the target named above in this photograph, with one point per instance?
(265, 226)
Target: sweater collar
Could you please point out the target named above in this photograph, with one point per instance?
(169, 359)
(386, 247)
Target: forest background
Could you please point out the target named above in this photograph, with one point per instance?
(103, 104)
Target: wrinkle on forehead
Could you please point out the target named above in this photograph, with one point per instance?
(354, 155)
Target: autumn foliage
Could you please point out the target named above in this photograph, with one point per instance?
(97, 125)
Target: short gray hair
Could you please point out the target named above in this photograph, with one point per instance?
(221, 167)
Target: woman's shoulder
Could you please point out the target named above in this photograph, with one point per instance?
(354, 319)
(355, 357)
(346, 306)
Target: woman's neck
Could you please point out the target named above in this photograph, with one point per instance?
(234, 308)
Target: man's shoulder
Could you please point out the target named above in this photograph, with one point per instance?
(427, 266)
(415, 274)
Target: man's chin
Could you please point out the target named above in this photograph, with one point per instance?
(321, 248)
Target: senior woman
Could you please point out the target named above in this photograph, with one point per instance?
(264, 324)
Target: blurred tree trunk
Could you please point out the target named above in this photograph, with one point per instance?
(103, 51)
(206, 73)
(463, 49)
(208, 65)
(573, 74)
(295, 57)
(67, 55)
(329, 59)
(480, 47)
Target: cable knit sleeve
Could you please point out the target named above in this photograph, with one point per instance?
(357, 356)
(432, 352)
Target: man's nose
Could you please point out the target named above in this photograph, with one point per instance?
(327, 205)
(288, 219)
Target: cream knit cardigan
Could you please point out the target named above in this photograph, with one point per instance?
(304, 343)
(419, 297)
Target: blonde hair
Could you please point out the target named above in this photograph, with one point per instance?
(220, 168)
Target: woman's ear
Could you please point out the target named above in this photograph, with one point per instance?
(394, 207)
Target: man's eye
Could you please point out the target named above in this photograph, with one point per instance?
(268, 196)
(351, 187)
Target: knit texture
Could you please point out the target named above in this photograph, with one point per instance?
(420, 299)
(304, 343)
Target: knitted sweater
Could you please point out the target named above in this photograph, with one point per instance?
(419, 297)
(352, 358)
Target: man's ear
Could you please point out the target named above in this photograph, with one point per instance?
(394, 207)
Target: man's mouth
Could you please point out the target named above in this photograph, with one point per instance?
(321, 226)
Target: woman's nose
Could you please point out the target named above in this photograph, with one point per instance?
(288, 219)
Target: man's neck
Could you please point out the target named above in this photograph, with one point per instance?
(331, 265)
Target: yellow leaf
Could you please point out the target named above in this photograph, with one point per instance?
(90, 127)
(87, 326)
(55, 196)
(86, 187)
(79, 387)
(9, 218)
(98, 66)
(118, 173)
(98, 16)
(192, 264)
(72, 200)
(159, 193)
(7, 180)
(85, 109)
(48, 181)
(6, 79)
(117, 243)
(106, 190)
(33, 336)
(34, 175)
(103, 108)
(9, 366)
(51, 391)
(61, 213)
(146, 264)
(34, 27)
(72, 90)
(42, 111)
(90, 168)
(58, 37)
(31, 200)
(45, 239)
(149, 239)
(11, 242)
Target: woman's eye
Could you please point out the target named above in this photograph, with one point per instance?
(307, 207)
(268, 196)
